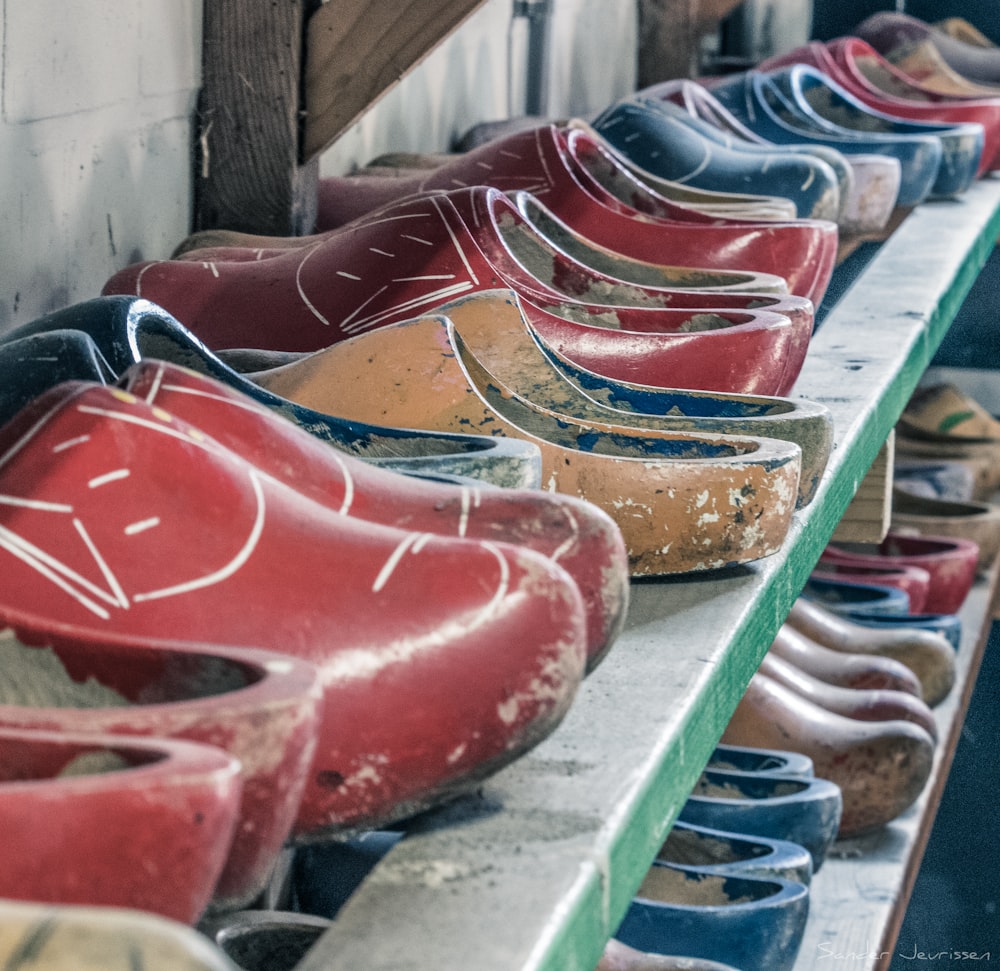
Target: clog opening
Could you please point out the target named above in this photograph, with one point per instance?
(37, 759)
(716, 785)
(667, 885)
(47, 672)
(695, 848)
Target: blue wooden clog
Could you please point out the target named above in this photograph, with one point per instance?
(843, 596)
(123, 330)
(830, 107)
(758, 101)
(748, 922)
(657, 137)
(801, 810)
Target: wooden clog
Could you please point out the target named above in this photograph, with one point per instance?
(569, 171)
(846, 669)
(890, 30)
(880, 767)
(260, 707)
(437, 248)
(922, 62)
(750, 922)
(756, 99)
(721, 852)
(950, 564)
(803, 810)
(76, 938)
(89, 818)
(827, 106)
(104, 336)
(682, 500)
(121, 520)
(868, 196)
(928, 655)
(926, 516)
(861, 71)
(864, 704)
(657, 136)
(582, 539)
(912, 580)
(492, 326)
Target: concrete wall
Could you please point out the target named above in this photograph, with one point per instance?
(96, 121)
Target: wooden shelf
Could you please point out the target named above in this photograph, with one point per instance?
(535, 870)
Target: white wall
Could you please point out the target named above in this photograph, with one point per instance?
(97, 103)
(476, 75)
(96, 119)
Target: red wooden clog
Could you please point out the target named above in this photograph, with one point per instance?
(552, 164)
(108, 821)
(577, 535)
(415, 255)
(950, 562)
(260, 707)
(442, 659)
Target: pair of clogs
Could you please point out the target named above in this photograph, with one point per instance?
(878, 83)
(197, 761)
(601, 439)
(798, 102)
(732, 885)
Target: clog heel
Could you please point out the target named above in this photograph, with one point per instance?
(753, 923)
(90, 816)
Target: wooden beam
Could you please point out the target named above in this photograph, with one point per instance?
(249, 175)
(670, 33)
(359, 49)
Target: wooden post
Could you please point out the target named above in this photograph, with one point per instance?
(670, 33)
(249, 174)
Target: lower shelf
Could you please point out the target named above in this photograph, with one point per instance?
(859, 896)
